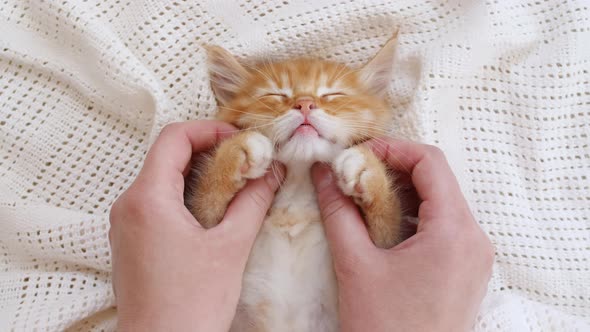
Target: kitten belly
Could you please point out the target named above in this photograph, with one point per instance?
(289, 282)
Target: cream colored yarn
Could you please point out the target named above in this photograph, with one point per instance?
(502, 86)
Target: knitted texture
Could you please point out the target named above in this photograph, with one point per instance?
(86, 85)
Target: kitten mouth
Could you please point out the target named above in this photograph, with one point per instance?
(306, 129)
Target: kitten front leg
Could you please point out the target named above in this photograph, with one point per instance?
(364, 177)
(244, 156)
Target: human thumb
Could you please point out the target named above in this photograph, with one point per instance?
(248, 209)
(345, 228)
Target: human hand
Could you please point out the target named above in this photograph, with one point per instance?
(169, 273)
(433, 281)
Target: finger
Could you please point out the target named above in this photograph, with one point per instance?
(171, 153)
(345, 228)
(173, 149)
(431, 174)
(248, 209)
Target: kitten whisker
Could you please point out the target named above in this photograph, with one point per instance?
(366, 124)
(370, 129)
(379, 141)
(356, 120)
(238, 130)
(395, 154)
(275, 173)
(381, 131)
(270, 123)
(262, 116)
(263, 103)
(340, 107)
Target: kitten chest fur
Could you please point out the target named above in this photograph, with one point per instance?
(289, 283)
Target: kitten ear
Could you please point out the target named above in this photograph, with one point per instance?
(227, 74)
(377, 72)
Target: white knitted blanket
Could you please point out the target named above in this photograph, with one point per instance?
(502, 86)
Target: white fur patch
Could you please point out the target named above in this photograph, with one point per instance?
(285, 81)
(294, 149)
(259, 155)
(331, 127)
(351, 171)
(306, 149)
(367, 115)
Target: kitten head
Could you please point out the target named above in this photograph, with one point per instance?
(310, 109)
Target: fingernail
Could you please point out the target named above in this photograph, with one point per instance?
(322, 176)
(275, 175)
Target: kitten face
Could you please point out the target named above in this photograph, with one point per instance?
(310, 109)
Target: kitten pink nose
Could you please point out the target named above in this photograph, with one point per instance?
(305, 105)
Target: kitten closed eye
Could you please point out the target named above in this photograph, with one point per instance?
(281, 95)
(333, 94)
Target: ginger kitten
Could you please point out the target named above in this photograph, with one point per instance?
(298, 112)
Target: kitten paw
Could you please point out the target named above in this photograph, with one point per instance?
(257, 155)
(354, 174)
(361, 175)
